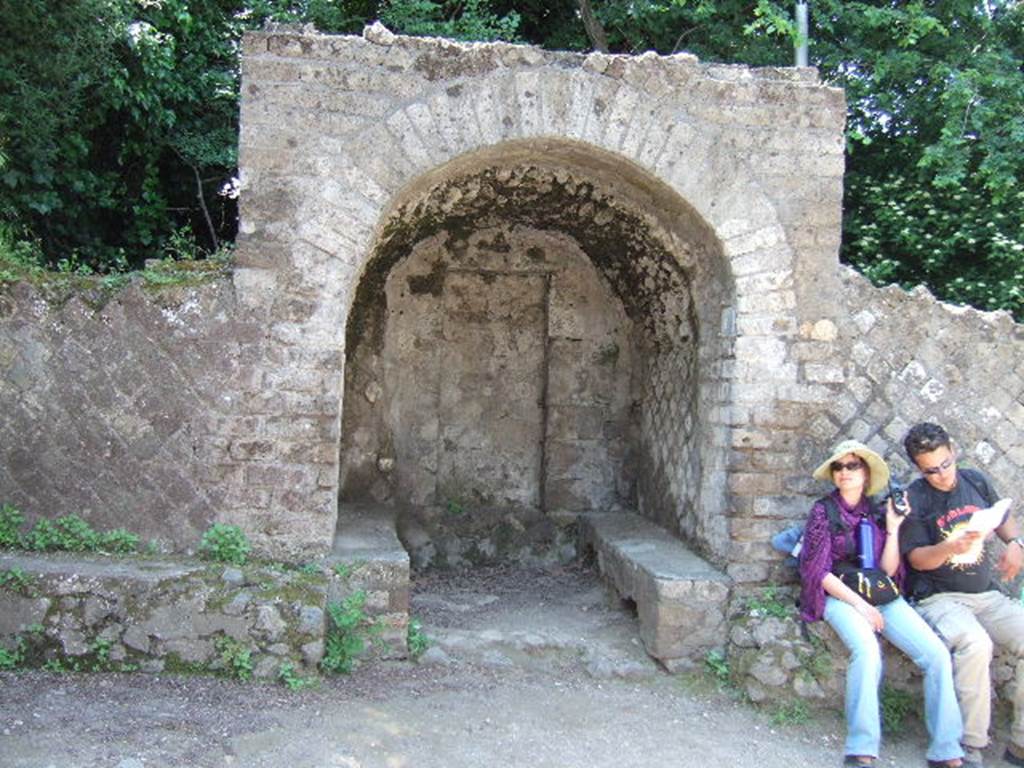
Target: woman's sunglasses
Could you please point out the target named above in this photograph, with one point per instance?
(850, 466)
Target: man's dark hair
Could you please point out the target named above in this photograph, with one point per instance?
(925, 438)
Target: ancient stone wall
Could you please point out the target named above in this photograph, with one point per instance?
(112, 403)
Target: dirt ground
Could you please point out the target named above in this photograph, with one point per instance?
(528, 667)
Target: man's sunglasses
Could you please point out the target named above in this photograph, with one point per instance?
(850, 466)
(939, 468)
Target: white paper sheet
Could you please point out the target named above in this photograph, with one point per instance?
(984, 521)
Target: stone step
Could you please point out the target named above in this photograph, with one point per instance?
(681, 599)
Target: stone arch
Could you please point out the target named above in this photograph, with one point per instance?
(665, 275)
(339, 133)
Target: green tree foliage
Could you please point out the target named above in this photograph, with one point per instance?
(935, 139)
(468, 20)
(118, 118)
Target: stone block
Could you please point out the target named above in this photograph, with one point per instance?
(679, 597)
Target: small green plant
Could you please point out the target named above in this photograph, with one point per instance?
(770, 603)
(11, 521)
(347, 570)
(11, 658)
(16, 580)
(56, 665)
(119, 541)
(795, 713)
(236, 658)
(455, 508)
(416, 639)
(100, 650)
(295, 682)
(896, 705)
(716, 662)
(309, 569)
(20, 256)
(224, 543)
(350, 630)
(73, 265)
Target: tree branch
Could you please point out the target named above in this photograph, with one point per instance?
(595, 31)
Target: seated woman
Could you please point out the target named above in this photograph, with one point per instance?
(830, 548)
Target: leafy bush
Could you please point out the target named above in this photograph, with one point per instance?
(225, 543)
(470, 20)
(69, 533)
(118, 540)
(65, 534)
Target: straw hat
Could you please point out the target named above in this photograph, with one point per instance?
(879, 469)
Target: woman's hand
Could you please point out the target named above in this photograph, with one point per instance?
(872, 614)
(893, 520)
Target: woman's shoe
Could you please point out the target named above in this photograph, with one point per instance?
(858, 760)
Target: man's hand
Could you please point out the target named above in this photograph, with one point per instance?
(1011, 561)
(960, 543)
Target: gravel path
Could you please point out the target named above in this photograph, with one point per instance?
(529, 668)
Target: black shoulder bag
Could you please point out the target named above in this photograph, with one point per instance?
(872, 584)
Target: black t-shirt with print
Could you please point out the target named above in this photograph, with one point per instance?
(934, 517)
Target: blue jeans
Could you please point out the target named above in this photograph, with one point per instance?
(905, 629)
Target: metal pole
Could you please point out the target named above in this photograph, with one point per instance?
(801, 29)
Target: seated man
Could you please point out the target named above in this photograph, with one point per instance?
(950, 581)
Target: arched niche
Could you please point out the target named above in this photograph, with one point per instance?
(539, 331)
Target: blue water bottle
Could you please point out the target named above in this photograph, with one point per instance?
(866, 543)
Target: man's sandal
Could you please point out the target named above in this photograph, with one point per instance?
(859, 761)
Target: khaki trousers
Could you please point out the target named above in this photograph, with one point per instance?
(971, 624)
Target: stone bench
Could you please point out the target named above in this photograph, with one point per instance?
(681, 599)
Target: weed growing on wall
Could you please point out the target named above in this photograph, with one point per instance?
(350, 630)
(896, 705)
(771, 603)
(346, 571)
(236, 658)
(716, 662)
(11, 658)
(294, 682)
(16, 580)
(224, 543)
(69, 533)
(11, 521)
